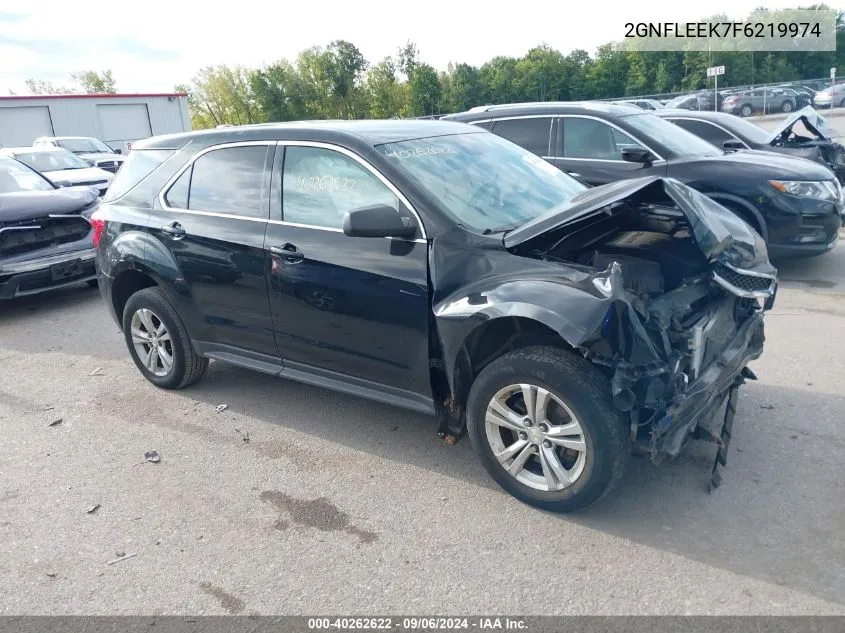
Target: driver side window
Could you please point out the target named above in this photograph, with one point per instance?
(592, 139)
(320, 185)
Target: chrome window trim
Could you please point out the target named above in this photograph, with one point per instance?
(725, 130)
(613, 125)
(494, 120)
(161, 194)
(366, 165)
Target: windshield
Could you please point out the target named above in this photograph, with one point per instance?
(15, 177)
(751, 132)
(679, 101)
(83, 145)
(486, 183)
(51, 161)
(676, 140)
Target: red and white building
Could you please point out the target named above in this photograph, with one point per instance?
(116, 119)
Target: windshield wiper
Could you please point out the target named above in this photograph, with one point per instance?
(507, 228)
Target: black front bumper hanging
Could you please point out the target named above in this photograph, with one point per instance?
(724, 439)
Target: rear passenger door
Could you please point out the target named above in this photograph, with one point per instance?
(213, 225)
(711, 133)
(531, 132)
(591, 149)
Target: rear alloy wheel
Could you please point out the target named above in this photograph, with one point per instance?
(842, 103)
(542, 423)
(745, 110)
(158, 342)
(787, 106)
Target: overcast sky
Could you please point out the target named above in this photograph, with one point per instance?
(152, 46)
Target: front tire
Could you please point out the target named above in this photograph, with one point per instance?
(543, 425)
(158, 341)
(786, 107)
(745, 111)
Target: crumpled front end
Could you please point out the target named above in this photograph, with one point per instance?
(661, 287)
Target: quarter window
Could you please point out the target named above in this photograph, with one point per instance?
(226, 180)
(588, 138)
(320, 185)
(177, 195)
(532, 134)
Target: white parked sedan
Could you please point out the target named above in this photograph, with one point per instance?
(62, 167)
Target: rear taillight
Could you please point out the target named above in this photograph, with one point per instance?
(98, 223)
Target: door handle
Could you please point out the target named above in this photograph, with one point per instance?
(175, 230)
(574, 174)
(289, 253)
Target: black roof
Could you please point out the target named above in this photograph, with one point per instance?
(705, 115)
(546, 107)
(368, 132)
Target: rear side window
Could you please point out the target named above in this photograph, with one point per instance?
(532, 134)
(227, 180)
(137, 166)
(707, 131)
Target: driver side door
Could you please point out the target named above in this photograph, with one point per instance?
(350, 311)
(591, 149)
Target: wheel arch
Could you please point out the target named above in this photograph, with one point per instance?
(743, 209)
(490, 339)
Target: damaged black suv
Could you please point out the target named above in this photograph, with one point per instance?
(438, 267)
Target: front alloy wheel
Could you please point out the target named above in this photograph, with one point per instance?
(542, 423)
(152, 342)
(535, 437)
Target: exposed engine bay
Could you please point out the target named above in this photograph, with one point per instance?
(806, 131)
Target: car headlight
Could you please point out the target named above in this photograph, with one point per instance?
(807, 188)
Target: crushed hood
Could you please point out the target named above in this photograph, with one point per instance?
(812, 120)
(25, 205)
(719, 233)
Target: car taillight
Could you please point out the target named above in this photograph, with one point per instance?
(98, 223)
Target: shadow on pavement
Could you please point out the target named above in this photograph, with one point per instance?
(777, 517)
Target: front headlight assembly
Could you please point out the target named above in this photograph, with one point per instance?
(820, 190)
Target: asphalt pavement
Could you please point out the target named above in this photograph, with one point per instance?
(296, 500)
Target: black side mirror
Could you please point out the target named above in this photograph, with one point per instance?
(118, 151)
(734, 144)
(637, 155)
(377, 221)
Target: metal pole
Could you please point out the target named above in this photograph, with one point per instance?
(832, 89)
(716, 93)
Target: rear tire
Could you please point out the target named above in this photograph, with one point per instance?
(842, 103)
(786, 107)
(150, 321)
(584, 393)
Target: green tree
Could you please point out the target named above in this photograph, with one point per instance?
(278, 92)
(222, 95)
(94, 82)
(461, 88)
(40, 87)
(425, 91)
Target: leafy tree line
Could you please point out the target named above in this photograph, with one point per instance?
(336, 81)
(85, 82)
